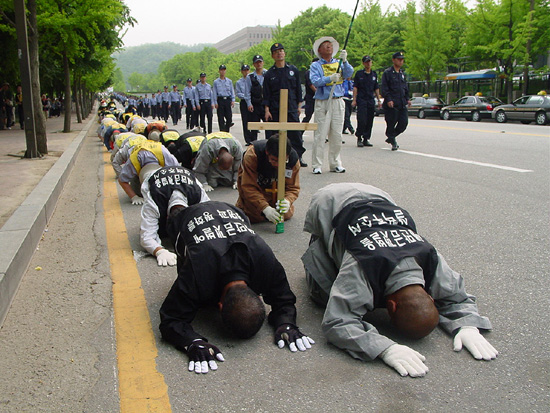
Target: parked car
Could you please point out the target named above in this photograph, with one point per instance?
(525, 109)
(470, 107)
(495, 101)
(423, 107)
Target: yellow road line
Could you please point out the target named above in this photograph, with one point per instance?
(141, 386)
(479, 130)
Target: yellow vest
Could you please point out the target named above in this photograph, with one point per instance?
(119, 141)
(154, 147)
(219, 135)
(139, 128)
(330, 69)
(170, 135)
(195, 142)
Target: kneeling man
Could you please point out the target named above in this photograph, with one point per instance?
(365, 254)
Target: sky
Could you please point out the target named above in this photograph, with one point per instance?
(209, 21)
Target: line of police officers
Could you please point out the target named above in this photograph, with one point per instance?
(199, 100)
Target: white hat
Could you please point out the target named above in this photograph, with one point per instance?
(319, 42)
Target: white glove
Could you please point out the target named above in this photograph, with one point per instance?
(203, 355)
(271, 214)
(475, 343)
(235, 185)
(405, 360)
(344, 56)
(165, 257)
(291, 335)
(137, 200)
(207, 188)
(282, 205)
(335, 78)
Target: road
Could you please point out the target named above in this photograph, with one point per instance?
(478, 191)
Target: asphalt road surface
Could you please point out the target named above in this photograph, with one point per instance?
(478, 191)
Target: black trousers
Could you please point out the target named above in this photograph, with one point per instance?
(175, 112)
(397, 120)
(347, 116)
(308, 109)
(165, 113)
(206, 111)
(294, 136)
(365, 119)
(249, 137)
(258, 115)
(146, 111)
(190, 118)
(225, 114)
(154, 110)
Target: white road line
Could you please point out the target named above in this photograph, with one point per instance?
(446, 158)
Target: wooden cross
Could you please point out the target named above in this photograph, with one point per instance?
(282, 126)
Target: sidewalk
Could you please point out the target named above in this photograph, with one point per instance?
(30, 189)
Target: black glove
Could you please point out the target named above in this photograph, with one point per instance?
(291, 335)
(203, 355)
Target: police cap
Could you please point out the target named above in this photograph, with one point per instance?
(257, 58)
(366, 58)
(398, 55)
(189, 79)
(245, 67)
(276, 46)
(203, 74)
(222, 67)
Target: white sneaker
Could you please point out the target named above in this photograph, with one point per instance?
(339, 170)
(317, 171)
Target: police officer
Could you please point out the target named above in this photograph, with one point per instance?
(165, 101)
(283, 76)
(224, 100)
(205, 96)
(242, 92)
(158, 105)
(365, 87)
(189, 103)
(396, 100)
(174, 106)
(254, 98)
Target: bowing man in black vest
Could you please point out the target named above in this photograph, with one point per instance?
(222, 261)
(364, 254)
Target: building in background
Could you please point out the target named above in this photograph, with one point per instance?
(244, 39)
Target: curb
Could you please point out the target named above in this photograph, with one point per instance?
(22, 232)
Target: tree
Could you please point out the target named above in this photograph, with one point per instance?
(498, 34)
(136, 80)
(427, 40)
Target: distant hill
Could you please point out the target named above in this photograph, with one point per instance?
(147, 57)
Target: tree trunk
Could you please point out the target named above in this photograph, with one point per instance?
(68, 97)
(76, 99)
(39, 119)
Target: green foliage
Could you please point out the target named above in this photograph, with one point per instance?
(146, 58)
(427, 40)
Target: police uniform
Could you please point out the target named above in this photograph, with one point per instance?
(224, 97)
(395, 89)
(254, 98)
(165, 99)
(205, 98)
(241, 90)
(190, 105)
(175, 109)
(365, 84)
(275, 79)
